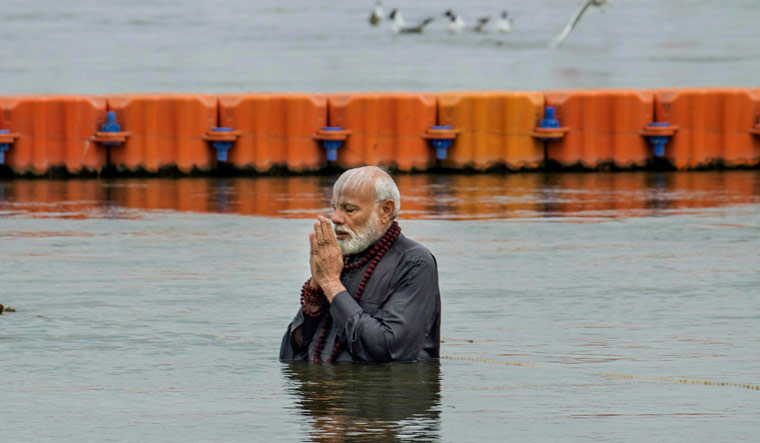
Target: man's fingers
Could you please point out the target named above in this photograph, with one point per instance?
(313, 242)
(318, 230)
(325, 225)
(322, 230)
(327, 231)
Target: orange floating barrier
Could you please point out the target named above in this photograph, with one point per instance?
(716, 126)
(495, 128)
(276, 130)
(691, 128)
(604, 127)
(386, 129)
(167, 130)
(51, 132)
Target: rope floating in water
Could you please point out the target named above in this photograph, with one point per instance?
(612, 374)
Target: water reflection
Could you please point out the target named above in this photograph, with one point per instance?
(480, 196)
(368, 402)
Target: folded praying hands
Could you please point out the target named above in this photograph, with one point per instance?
(326, 258)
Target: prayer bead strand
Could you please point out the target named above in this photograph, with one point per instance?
(314, 297)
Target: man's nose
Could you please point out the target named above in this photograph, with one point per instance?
(337, 217)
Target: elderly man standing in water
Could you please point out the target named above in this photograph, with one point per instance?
(373, 293)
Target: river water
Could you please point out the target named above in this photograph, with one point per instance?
(153, 310)
(111, 46)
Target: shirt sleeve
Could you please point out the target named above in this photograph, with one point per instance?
(289, 350)
(396, 332)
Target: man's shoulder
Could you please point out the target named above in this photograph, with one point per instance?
(412, 251)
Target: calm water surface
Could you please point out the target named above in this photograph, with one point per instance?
(153, 310)
(108, 46)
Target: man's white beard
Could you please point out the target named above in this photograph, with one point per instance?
(359, 241)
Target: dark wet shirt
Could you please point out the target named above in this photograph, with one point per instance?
(397, 318)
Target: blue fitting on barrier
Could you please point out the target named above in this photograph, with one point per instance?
(659, 141)
(221, 146)
(4, 147)
(441, 145)
(332, 145)
(111, 126)
(549, 120)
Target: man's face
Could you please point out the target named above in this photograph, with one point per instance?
(356, 219)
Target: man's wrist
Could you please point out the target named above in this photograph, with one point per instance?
(333, 288)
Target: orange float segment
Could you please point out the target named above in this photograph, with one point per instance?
(167, 130)
(604, 127)
(83, 116)
(495, 128)
(386, 128)
(52, 131)
(276, 129)
(715, 125)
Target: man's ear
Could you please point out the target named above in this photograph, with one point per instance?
(387, 208)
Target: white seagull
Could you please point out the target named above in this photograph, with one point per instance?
(456, 24)
(505, 23)
(574, 20)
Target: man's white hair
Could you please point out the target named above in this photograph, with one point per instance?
(385, 187)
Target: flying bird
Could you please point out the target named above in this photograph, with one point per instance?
(574, 19)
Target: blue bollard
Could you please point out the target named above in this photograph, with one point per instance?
(549, 120)
(659, 141)
(4, 147)
(441, 145)
(548, 128)
(111, 126)
(332, 145)
(221, 147)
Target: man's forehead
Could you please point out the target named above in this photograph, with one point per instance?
(354, 194)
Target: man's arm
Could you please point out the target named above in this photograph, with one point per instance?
(300, 332)
(295, 343)
(397, 331)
